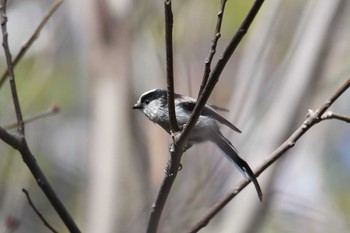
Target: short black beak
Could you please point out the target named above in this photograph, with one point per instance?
(137, 106)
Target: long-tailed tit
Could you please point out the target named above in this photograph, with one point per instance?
(154, 105)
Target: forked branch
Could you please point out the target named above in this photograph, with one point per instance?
(32, 38)
(313, 117)
(18, 140)
(176, 148)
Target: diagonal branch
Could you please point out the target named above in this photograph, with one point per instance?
(8, 138)
(19, 143)
(31, 40)
(313, 118)
(18, 140)
(214, 77)
(213, 45)
(38, 212)
(55, 108)
(334, 97)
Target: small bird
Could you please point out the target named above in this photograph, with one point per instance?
(154, 105)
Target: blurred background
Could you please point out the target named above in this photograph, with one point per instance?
(106, 161)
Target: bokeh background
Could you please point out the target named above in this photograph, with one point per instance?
(106, 161)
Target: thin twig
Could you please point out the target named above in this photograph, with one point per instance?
(313, 118)
(213, 45)
(3, 20)
(19, 143)
(38, 212)
(331, 115)
(214, 76)
(18, 140)
(336, 95)
(52, 111)
(33, 37)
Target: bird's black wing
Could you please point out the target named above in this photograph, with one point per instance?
(208, 111)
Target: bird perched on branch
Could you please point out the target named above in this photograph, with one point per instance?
(154, 105)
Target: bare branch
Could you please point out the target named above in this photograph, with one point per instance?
(169, 64)
(38, 212)
(213, 45)
(8, 138)
(242, 30)
(31, 40)
(168, 180)
(55, 108)
(331, 115)
(174, 162)
(19, 143)
(3, 20)
(18, 140)
(313, 118)
(214, 77)
(334, 97)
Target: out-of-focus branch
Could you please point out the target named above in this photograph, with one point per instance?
(55, 108)
(38, 212)
(3, 20)
(8, 138)
(18, 140)
(19, 143)
(180, 140)
(31, 40)
(213, 45)
(313, 117)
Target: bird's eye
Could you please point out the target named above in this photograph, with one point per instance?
(146, 101)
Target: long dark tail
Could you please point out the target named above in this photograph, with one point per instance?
(230, 151)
